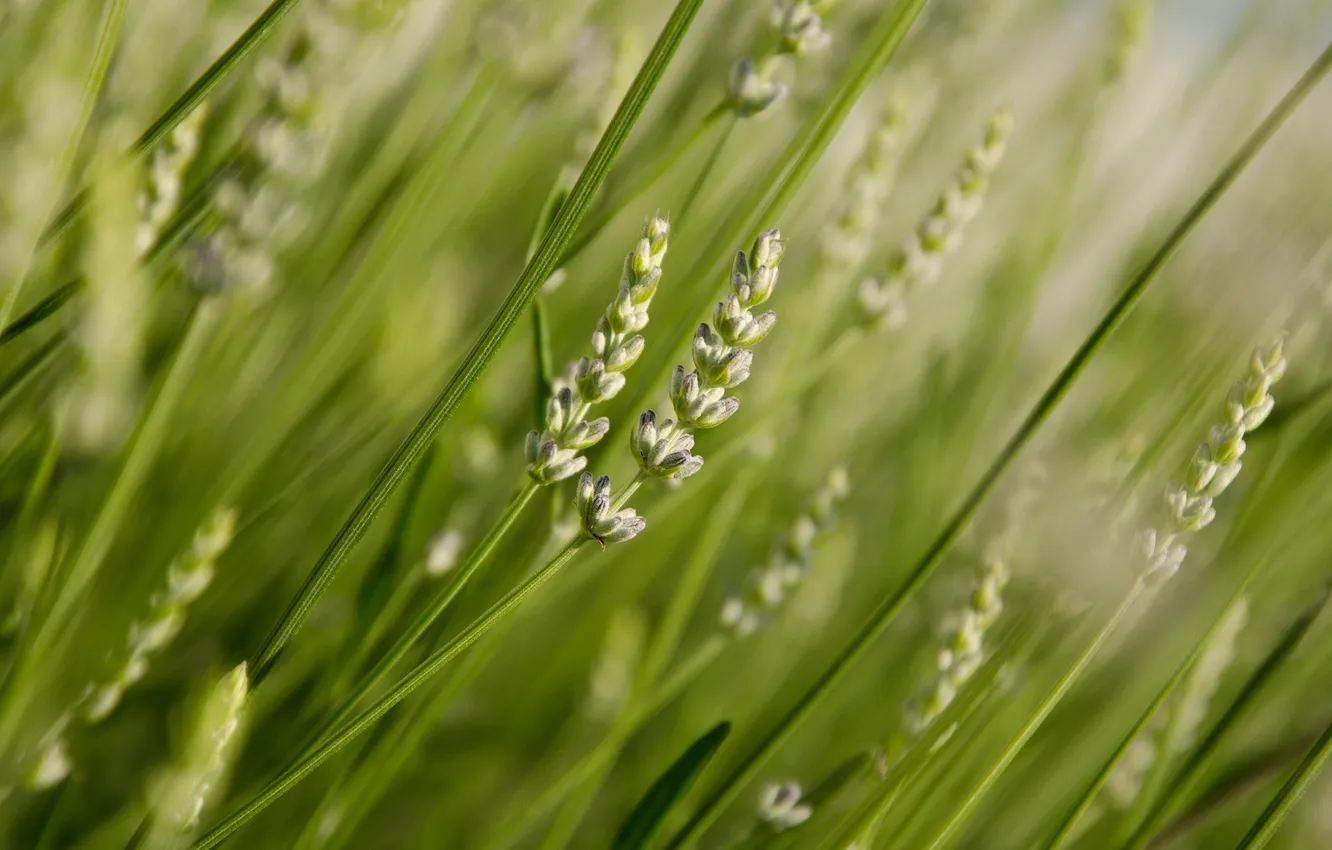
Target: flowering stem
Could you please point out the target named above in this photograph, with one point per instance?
(344, 735)
(430, 614)
(887, 610)
(478, 358)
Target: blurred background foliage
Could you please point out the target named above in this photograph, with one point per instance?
(440, 127)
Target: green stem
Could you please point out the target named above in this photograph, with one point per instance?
(696, 188)
(1182, 782)
(1052, 699)
(534, 274)
(253, 36)
(661, 166)
(1054, 394)
(1272, 817)
(429, 615)
(341, 737)
(139, 455)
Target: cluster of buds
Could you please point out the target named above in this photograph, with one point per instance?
(722, 360)
(160, 197)
(599, 520)
(919, 261)
(797, 30)
(769, 586)
(798, 27)
(847, 241)
(187, 578)
(285, 149)
(179, 796)
(555, 453)
(963, 649)
(1216, 463)
(780, 806)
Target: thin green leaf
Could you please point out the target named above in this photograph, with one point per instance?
(427, 617)
(1272, 817)
(887, 610)
(404, 688)
(476, 361)
(255, 35)
(1183, 780)
(602, 757)
(638, 830)
(40, 311)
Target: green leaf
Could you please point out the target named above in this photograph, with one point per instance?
(646, 819)
(538, 269)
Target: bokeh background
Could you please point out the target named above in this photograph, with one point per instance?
(364, 193)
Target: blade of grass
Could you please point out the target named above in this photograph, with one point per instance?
(1183, 780)
(400, 691)
(424, 620)
(601, 757)
(887, 610)
(646, 819)
(41, 311)
(1048, 704)
(1276, 812)
(535, 274)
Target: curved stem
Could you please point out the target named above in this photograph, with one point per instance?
(887, 610)
(344, 735)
